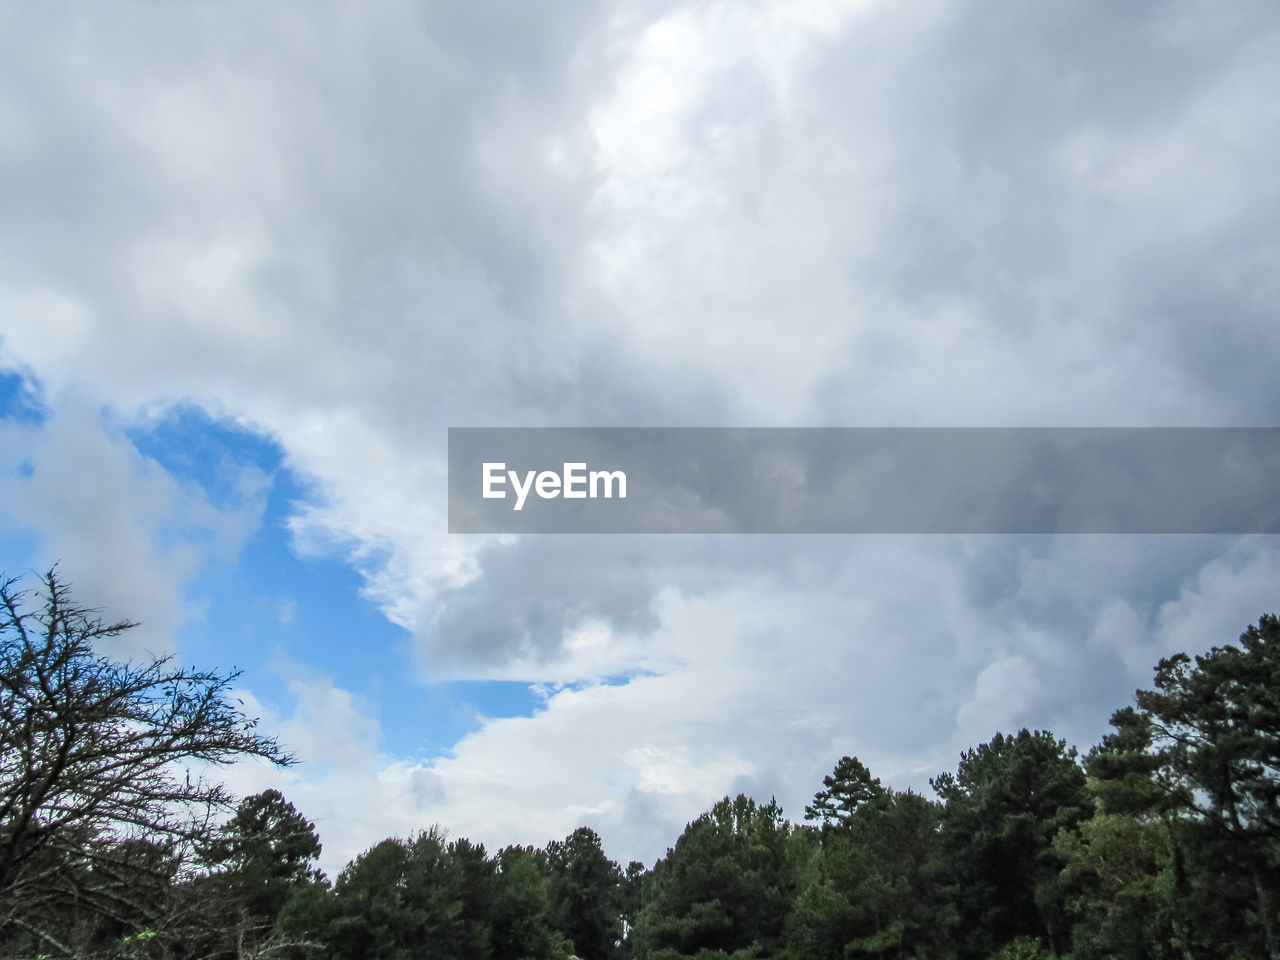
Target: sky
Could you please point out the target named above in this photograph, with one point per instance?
(255, 260)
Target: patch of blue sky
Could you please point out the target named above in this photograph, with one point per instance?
(452, 710)
(20, 399)
(545, 691)
(194, 447)
(17, 550)
(274, 613)
(271, 613)
(271, 607)
(19, 403)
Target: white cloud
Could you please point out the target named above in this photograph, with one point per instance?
(1224, 597)
(124, 534)
(1004, 695)
(740, 213)
(351, 227)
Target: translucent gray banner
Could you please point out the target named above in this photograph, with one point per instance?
(879, 480)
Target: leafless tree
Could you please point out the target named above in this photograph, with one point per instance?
(100, 806)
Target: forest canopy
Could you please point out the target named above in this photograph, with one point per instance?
(1162, 841)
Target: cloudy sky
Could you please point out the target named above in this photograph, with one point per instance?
(256, 259)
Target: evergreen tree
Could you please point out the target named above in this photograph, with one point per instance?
(633, 881)
(1003, 807)
(259, 856)
(586, 894)
(845, 790)
(1123, 890)
(876, 882)
(403, 898)
(1201, 753)
(725, 888)
(522, 919)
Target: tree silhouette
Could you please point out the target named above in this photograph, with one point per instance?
(95, 761)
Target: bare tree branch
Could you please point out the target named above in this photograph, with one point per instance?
(98, 801)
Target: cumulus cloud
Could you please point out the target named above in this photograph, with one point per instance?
(120, 529)
(761, 687)
(352, 227)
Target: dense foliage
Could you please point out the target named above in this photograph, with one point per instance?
(1162, 842)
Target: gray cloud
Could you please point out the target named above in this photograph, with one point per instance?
(352, 227)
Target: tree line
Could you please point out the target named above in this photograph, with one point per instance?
(1162, 841)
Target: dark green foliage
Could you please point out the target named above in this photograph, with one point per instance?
(1002, 809)
(1024, 948)
(425, 897)
(1122, 769)
(632, 897)
(1200, 755)
(875, 883)
(846, 790)
(1121, 881)
(304, 919)
(723, 890)
(586, 894)
(259, 857)
(417, 897)
(523, 926)
(267, 841)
